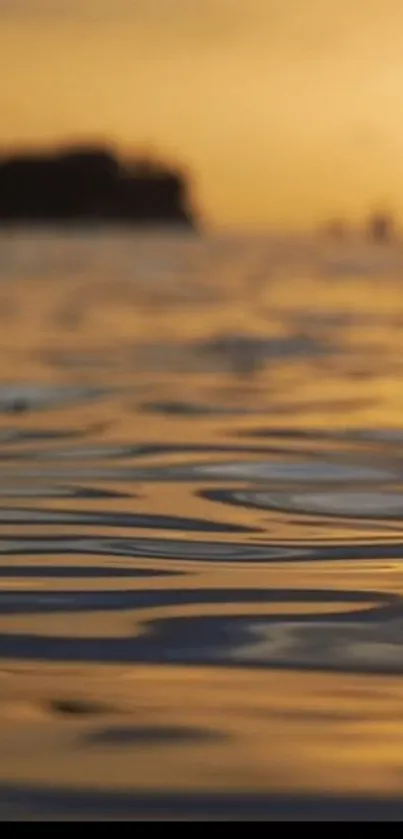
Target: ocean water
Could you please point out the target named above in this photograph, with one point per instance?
(201, 527)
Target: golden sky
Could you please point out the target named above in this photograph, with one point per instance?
(285, 111)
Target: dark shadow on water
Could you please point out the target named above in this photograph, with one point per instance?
(48, 491)
(20, 398)
(78, 708)
(310, 469)
(21, 435)
(218, 641)
(21, 802)
(194, 551)
(26, 516)
(191, 409)
(143, 547)
(132, 735)
(384, 506)
(80, 572)
(41, 602)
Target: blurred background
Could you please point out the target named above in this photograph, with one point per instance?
(284, 113)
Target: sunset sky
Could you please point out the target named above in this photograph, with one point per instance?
(285, 111)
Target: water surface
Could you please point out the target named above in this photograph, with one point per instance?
(201, 527)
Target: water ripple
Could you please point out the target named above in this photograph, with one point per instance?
(291, 640)
(156, 510)
(347, 504)
(106, 519)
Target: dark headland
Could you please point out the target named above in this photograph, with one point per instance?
(90, 184)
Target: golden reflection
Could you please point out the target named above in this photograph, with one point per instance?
(256, 730)
(266, 732)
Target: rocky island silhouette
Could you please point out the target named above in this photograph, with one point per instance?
(88, 184)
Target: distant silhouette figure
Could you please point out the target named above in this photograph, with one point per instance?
(380, 228)
(86, 184)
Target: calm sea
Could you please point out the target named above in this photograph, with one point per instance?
(201, 527)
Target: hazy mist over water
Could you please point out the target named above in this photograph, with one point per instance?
(201, 525)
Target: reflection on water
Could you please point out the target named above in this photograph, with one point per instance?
(201, 526)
